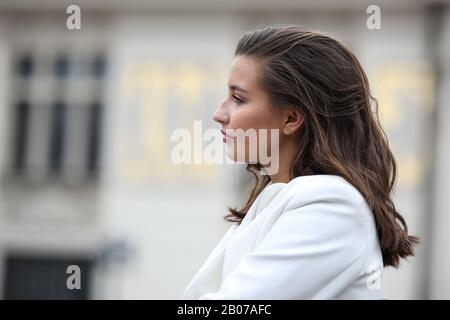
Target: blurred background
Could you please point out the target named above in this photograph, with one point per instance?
(85, 137)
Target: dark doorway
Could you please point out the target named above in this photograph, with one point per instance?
(33, 277)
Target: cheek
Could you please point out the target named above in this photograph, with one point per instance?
(242, 119)
(253, 117)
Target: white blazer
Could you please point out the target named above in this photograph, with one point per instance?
(312, 238)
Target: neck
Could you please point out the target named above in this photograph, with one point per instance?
(283, 174)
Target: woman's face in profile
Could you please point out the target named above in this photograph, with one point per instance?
(248, 107)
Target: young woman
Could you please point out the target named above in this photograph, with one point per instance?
(323, 224)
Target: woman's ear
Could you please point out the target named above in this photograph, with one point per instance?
(293, 121)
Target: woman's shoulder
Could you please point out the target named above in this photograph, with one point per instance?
(329, 189)
(329, 209)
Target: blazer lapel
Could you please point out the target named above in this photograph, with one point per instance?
(209, 276)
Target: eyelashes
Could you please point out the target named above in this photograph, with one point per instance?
(237, 100)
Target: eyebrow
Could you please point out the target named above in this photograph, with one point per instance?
(237, 88)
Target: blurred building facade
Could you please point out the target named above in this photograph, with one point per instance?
(85, 142)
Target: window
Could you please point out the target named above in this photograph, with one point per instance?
(56, 128)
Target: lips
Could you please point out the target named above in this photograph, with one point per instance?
(225, 135)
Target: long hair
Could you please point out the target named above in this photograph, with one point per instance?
(341, 133)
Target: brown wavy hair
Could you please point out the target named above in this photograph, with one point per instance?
(341, 133)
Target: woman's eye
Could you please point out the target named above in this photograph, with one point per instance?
(237, 99)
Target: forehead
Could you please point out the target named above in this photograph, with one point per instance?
(244, 72)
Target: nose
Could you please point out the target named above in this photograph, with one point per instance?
(220, 115)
